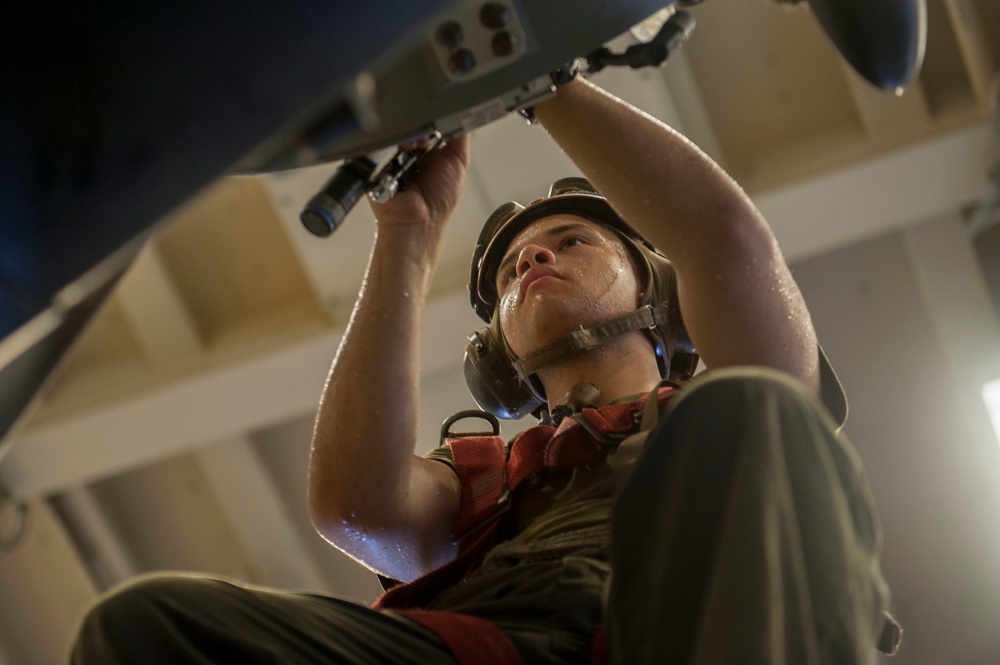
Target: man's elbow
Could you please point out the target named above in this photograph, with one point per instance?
(325, 513)
(333, 505)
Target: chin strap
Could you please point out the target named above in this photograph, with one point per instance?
(588, 338)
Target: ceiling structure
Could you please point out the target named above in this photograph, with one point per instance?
(176, 434)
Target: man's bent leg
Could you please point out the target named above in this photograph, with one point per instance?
(746, 534)
(180, 619)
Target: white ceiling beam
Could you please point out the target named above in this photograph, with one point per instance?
(958, 300)
(102, 549)
(695, 122)
(335, 265)
(922, 181)
(149, 427)
(971, 35)
(886, 114)
(164, 328)
(259, 516)
(44, 589)
(201, 409)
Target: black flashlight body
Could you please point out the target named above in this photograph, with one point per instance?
(325, 211)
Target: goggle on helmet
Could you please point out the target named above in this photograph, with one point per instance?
(505, 385)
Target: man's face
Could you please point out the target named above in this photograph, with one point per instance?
(559, 274)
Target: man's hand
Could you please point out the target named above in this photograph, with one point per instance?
(433, 193)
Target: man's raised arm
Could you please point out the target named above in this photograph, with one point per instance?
(739, 301)
(368, 493)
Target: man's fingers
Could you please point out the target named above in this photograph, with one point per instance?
(461, 147)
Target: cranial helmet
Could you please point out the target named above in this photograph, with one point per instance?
(506, 385)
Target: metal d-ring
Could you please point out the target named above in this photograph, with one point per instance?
(446, 432)
(12, 537)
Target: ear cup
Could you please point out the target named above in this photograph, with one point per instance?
(493, 381)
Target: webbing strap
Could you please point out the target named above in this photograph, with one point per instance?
(588, 338)
(631, 449)
(488, 474)
(471, 640)
(481, 462)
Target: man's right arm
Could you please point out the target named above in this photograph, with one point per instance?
(369, 494)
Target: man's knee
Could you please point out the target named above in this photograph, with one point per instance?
(147, 592)
(125, 617)
(724, 412)
(736, 385)
(743, 397)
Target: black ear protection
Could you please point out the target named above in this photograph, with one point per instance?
(496, 378)
(494, 383)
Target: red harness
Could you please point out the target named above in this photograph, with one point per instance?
(489, 472)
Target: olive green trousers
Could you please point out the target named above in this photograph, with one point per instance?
(746, 534)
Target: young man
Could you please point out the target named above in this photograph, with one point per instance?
(743, 533)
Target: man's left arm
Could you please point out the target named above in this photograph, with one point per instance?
(740, 303)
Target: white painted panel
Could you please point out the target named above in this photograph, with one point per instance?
(924, 181)
(284, 450)
(101, 546)
(153, 426)
(230, 401)
(336, 264)
(43, 591)
(958, 298)
(168, 516)
(258, 516)
(933, 469)
(163, 326)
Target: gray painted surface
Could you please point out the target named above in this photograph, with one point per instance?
(933, 465)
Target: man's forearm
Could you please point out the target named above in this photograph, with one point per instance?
(365, 428)
(368, 493)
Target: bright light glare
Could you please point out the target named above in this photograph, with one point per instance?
(991, 396)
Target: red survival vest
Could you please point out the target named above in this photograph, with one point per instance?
(489, 471)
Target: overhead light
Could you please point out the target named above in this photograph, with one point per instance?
(991, 396)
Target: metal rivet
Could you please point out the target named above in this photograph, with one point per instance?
(504, 43)
(494, 15)
(450, 34)
(462, 61)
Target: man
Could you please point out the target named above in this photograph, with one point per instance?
(744, 533)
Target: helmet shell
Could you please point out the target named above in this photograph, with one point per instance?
(569, 195)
